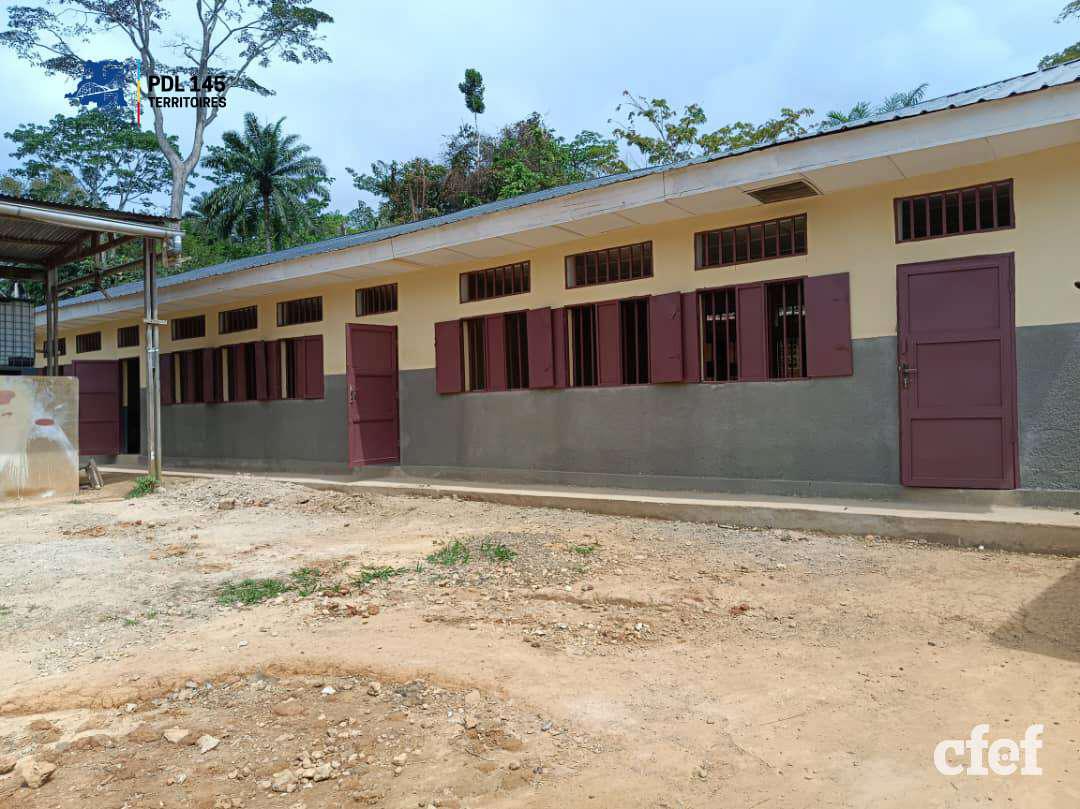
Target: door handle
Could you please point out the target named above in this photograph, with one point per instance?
(906, 372)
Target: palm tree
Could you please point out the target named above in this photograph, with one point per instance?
(264, 181)
(863, 109)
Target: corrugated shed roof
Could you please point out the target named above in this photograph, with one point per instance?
(1006, 88)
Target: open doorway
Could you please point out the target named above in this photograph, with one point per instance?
(130, 407)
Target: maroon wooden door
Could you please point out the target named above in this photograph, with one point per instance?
(957, 373)
(372, 380)
(99, 406)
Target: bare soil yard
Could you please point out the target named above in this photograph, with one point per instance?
(244, 643)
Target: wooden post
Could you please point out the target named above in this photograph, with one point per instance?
(153, 362)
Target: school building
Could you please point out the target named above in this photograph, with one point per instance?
(886, 304)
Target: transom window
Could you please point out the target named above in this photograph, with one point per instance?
(301, 310)
(625, 263)
(234, 320)
(127, 336)
(495, 282)
(87, 342)
(774, 238)
(951, 213)
(187, 328)
(376, 300)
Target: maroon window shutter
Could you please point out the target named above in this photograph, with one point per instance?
(495, 352)
(261, 387)
(691, 349)
(210, 382)
(752, 333)
(665, 338)
(828, 325)
(607, 343)
(449, 374)
(541, 348)
(558, 343)
(273, 369)
(165, 369)
(238, 371)
(314, 380)
(188, 370)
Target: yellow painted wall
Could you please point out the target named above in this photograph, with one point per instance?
(849, 232)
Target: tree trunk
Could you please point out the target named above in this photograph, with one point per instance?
(266, 222)
(179, 183)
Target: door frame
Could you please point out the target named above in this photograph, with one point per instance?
(1010, 381)
(350, 392)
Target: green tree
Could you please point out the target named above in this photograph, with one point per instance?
(264, 181)
(112, 162)
(1072, 51)
(473, 90)
(232, 38)
(863, 109)
(664, 135)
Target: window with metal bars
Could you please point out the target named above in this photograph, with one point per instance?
(786, 321)
(951, 213)
(517, 350)
(376, 300)
(495, 282)
(584, 360)
(234, 320)
(719, 336)
(634, 339)
(302, 310)
(188, 328)
(625, 263)
(758, 241)
(127, 336)
(475, 354)
(87, 342)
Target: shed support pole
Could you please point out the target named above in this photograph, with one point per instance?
(52, 361)
(153, 365)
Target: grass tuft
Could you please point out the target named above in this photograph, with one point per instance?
(496, 551)
(251, 591)
(305, 580)
(450, 555)
(369, 574)
(583, 550)
(144, 485)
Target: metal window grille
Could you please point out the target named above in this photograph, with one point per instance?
(786, 312)
(719, 336)
(475, 354)
(188, 328)
(16, 333)
(302, 310)
(61, 347)
(584, 364)
(495, 282)
(774, 238)
(634, 334)
(376, 300)
(127, 336)
(88, 342)
(951, 213)
(517, 350)
(234, 320)
(625, 263)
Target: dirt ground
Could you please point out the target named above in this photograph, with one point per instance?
(417, 653)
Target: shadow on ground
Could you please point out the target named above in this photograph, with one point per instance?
(1047, 624)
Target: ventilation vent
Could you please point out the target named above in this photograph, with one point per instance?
(783, 192)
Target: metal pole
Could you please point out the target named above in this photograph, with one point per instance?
(153, 366)
(52, 362)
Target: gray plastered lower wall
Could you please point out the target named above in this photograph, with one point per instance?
(828, 436)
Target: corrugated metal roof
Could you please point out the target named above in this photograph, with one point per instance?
(1006, 88)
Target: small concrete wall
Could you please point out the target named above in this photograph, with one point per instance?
(39, 436)
(1048, 358)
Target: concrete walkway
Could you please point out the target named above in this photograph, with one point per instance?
(1026, 529)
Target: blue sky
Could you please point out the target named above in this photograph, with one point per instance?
(391, 91)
